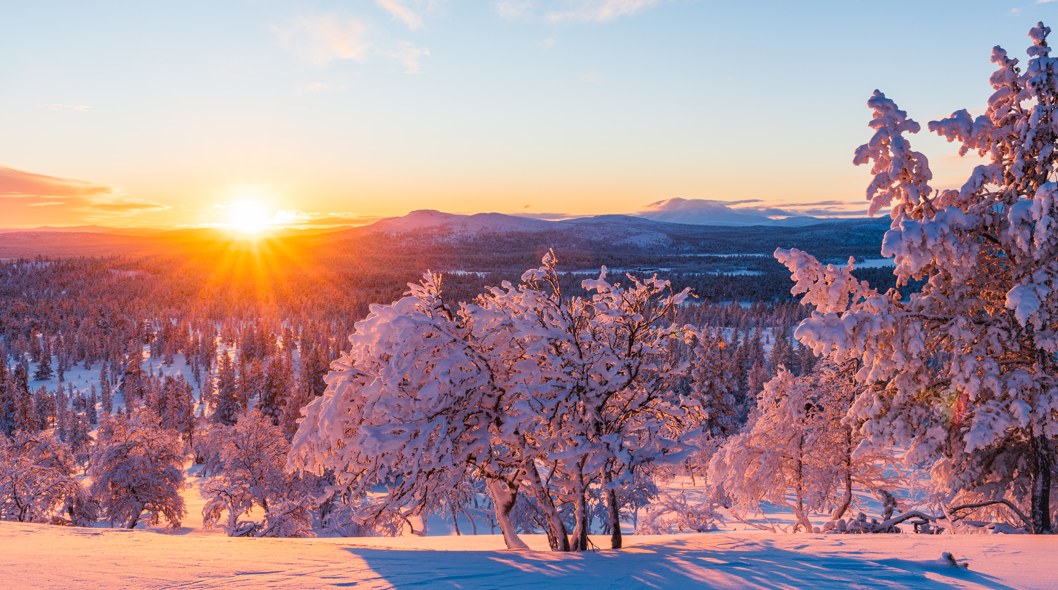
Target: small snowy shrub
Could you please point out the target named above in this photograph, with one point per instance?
(675, 514)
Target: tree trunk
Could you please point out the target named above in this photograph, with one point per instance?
(1041, 485)
(799, 508)
(135, 519)
(847, 500)
(503, 500)
(580, 491)
(557, 537)
(615, 512)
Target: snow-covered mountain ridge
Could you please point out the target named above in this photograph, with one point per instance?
(501, 222)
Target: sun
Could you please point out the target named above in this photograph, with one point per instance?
(248, 217)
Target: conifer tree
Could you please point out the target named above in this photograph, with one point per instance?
(93, 416)
(7, 400)
(226, 402)
(104, 386)
(43, 372)
(712, 386)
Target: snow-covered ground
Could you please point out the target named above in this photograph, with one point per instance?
(41, 556)
(736, 556)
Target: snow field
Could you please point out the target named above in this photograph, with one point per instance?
(56, 557)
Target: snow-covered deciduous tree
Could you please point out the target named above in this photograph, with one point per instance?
(410, 407)
(246, 463)
(963, 370)
(597, 388)
(521, 382)
(137, 471)
(796, 446)
(36, 478)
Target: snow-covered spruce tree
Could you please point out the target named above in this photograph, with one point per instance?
(175, 407)
(36, 478)
(137, 468)
(712, 385)
(247, 463)
(963, 370)
(7, 400)
(795, 446)
(43, 372)
(133, 384)
(278, 383)
(225, 402)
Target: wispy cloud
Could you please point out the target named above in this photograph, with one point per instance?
(571, 11)
(128, 206)
(514, 9)
(590, 77)
(63, 107)
(599, 11)
(299, 219)
(310, 87)
(407, 54)
(410, 12)
(544, 216)
(22, 192)
(20, 183)
(322, 39)
(744, 211)
(319, 40)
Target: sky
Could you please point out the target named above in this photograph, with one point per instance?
(181, 114)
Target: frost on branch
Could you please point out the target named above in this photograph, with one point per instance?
(962, 371)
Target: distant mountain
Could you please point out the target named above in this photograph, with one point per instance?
(707, 216)
(480, 237)
(85, 229)
(453, 222)
(650, 221)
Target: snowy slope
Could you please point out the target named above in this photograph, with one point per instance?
(41, 556)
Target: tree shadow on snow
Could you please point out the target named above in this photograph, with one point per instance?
(674, 564)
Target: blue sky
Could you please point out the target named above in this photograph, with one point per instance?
(358, 109)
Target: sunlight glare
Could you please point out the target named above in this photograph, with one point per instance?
(247, 217)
